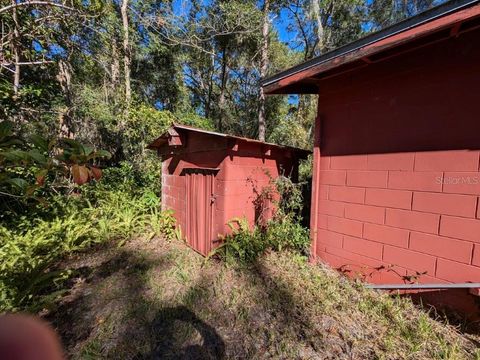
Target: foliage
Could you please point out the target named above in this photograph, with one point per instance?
(146, 123)
(243, 244)
(305, 169)
(126, 177)
(26, 163)
(193, 62)
(386, 12)
(288, 234)
(289, 132)
(290, 200)
(284, 231)
(32, 246)
(13, 159)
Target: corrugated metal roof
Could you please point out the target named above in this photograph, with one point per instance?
(156, 143)
(410, 23)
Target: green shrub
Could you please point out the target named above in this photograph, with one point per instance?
(243, 244)
(283, 232)
(287, 233)
(128, 178)
(31, 247)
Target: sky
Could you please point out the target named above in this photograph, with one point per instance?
(280, 22)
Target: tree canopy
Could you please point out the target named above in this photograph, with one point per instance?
(99, 71)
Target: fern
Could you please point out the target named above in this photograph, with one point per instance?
(30, 253)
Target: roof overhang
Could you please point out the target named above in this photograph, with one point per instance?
(440, 23)
(174, 141)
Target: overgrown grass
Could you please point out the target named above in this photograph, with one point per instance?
(160, 299)
(246, 243)
(32, 245)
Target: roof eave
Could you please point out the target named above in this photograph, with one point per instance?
(165, 140)
(431, 21)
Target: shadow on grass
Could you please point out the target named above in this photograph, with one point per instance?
(294, 321)
(148, 303)
(144, 328)
(175, 332)
(174, 329)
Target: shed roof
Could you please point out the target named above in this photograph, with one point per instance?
(436, 24)
(172, 140)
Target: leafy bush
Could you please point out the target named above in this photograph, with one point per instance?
(283, 232)
(34, 167)
(288, 131)
(287, 234)
(245, 244)
(31, 247)
(128, 178)
(138, 166)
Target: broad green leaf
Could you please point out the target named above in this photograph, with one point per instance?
(87, 150)
(72, 146)
(101, 154)
(15, 155)
(37, 156)
(6, 128)
(39, 142)
(70, 142)
(20, 184)
(10, 142)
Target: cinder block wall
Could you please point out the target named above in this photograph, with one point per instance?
(243, 177)
(173, 193)
(243, 174)
(416, 211)
(399, 180)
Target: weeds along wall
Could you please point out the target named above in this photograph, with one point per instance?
(398, 158)
(242, 174)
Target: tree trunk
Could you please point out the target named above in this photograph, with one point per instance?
(127, 59)
(263, 69)
(320, 27)
(16, 51)
(64, 77)
(114, 66)
(223, 89)
(211, 71)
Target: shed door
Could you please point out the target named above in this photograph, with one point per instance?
(200, 202)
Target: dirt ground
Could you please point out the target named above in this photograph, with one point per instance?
(160, 300)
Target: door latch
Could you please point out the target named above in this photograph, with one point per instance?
(213, 198)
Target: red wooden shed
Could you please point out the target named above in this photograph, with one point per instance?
(209, 178)
(396, 179)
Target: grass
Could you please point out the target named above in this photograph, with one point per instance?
(33, 244)
(159, 299)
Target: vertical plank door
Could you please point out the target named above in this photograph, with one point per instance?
(200, 202)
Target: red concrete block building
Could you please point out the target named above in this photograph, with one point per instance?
(396, 180)
(210, 178)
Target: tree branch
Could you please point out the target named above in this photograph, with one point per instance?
(35, 2)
